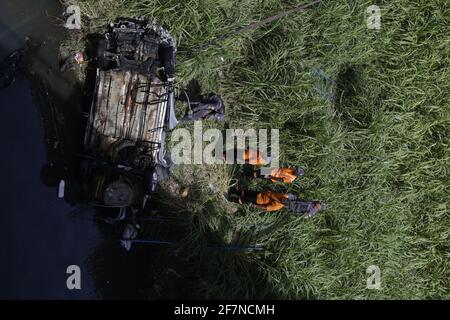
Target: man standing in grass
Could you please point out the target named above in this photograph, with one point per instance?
(272, 201)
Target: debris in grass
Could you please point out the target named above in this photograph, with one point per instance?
(184, 191)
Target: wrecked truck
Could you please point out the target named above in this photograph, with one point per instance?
(132, 108)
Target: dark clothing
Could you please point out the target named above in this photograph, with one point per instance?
(250, 196)
(250, 171)
(208, 108)
(306, 208)
(242, 196)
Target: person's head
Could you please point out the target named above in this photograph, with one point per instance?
(314, 208)
(300, 171)
(318, 205)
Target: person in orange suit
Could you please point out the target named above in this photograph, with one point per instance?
(269, 201)
(249, 156)
(255, 157)
(272, 201)
(286, 175)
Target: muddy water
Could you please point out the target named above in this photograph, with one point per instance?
(41, 129)
(39, 238)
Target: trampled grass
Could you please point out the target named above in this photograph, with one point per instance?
(377, 153)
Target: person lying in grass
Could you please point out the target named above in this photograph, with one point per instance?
(272, 201)
(208, 107)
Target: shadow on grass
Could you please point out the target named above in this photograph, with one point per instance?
(148, 271)
(224, 256)
(353, 111)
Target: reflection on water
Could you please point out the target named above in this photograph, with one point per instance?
(42, 128)
(39, 239)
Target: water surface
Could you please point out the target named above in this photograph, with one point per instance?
(39, 237)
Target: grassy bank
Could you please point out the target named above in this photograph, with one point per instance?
(378, 152)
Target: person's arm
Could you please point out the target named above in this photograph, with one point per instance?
(274, 206)
(274, 179)
(201, 107)
(311, 212)
(259, 206)
(217, 104)
(292, 197)
(217, 116)
(285, 177)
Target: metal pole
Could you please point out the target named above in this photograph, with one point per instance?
(255, 25)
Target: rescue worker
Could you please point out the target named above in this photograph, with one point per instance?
(209, 107)
(286, 175)
(272, 201)
(255, 157)
(249, 156)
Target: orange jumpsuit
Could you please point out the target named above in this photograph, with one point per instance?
(254, 157)
(270, 201)
(287, 175)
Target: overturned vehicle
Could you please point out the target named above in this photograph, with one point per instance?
(132, 107)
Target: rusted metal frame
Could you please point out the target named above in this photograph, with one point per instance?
(127, 105)
(107, 104)
(133, 111)
(90, 136)
(118, 106)
(144, 109)
(161, 119)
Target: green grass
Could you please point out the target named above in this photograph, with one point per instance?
(378, 154)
